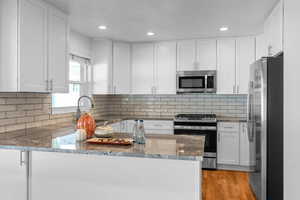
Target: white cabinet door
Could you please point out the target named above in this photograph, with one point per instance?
(247, 148)
(142, 68)
(186, 55)
(102, 66)
(12, 176)
(226, 66)
(165, 68)
(68, 176)
(228, 145)
(58, 61)
(33, 46)
(121, 68)
(245, 56)
(207, 54)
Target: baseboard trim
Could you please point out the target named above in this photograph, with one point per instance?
(236, 168)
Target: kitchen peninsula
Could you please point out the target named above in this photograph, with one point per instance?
(47, 163)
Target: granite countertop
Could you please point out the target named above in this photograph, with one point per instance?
(230, 119)
(62, 139)
(114, 119)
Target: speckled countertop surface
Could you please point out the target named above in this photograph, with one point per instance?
(62, 139)
(230, 119)
(113, 119)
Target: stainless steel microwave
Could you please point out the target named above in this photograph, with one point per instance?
(197, 81)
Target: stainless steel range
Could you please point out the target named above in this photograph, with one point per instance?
(202, 125)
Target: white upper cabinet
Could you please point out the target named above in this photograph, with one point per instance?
(33, 46)
(196, 55)
(102, 66)
(226, 67)
(245, 56)
(165, 68)
(186, 55)
(121, 68)
(207, 54)
(143, 68)
(58, 51)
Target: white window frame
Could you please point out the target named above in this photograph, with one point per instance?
(85, 84)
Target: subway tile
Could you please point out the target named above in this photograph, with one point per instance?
(2, 100)
(7, 108)
(4, 122)
(15, 101)
(34, 101)
(15, 127)
(24, 120)
(15, 114)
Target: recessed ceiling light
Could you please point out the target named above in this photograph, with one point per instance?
(102, 27)
(150, 33)
(224, 28)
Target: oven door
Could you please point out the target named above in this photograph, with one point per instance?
(190, 83)
(210, 147)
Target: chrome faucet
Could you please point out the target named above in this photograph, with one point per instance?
(78, 112)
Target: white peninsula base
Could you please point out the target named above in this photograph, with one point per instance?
(66, 176)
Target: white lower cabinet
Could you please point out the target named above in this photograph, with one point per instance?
(151, 126)
(68, 176)
(12, 176)
(228, 145)
(234, 149)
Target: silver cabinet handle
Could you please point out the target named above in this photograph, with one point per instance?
(233, 89)
(47, 85)
(219, 137)
(22, 161)
(51, 85)
(238, 89)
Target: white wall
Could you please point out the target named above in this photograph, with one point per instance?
(273, 30)
(291, 99)
(80, 45)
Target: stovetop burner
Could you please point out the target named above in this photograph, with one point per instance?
(196, 116)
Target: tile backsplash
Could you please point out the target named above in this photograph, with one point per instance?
(28, 110)
(166, 106)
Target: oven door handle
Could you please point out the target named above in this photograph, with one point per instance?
(204, 128)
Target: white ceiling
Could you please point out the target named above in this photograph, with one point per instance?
(130, 20)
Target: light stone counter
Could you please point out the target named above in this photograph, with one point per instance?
(62, 139)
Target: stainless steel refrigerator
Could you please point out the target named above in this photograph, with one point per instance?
(265, 127)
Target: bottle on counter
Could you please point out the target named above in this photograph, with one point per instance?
(135, 130)
(141, 139)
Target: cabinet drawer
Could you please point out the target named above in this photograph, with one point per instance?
(228, 126)
(158, 132)
(158, 124)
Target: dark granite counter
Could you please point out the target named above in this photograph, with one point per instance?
(113, 119)
(62, 139)
(230, 119)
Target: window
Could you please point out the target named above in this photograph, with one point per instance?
(79, 84)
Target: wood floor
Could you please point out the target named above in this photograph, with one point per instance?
(226, 185)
